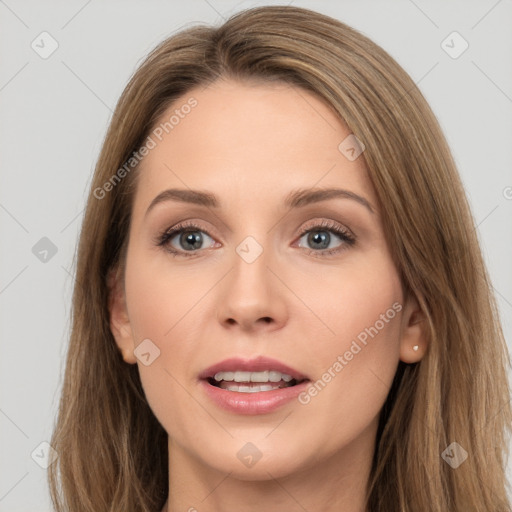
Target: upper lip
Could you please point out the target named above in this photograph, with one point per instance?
(258, 364)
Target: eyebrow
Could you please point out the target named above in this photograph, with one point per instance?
(295, 199)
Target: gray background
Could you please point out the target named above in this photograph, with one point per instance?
(54, 114)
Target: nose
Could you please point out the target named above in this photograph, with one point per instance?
(252, 296)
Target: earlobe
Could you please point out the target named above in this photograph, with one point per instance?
(414, 339)
(118, 317)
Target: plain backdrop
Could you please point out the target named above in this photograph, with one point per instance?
(54, 111)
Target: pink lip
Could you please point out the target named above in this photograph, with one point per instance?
(258, 364)
(261, 402)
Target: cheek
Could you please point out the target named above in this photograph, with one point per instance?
(355, 299)
(162, 297)
(162, 307)
(357, 358)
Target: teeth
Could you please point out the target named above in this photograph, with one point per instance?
(224, 376)
(276, 376)
(247, 389)
(242, 377)
(260, 377)
(239, 376)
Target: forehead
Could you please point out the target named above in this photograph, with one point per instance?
(257, 138)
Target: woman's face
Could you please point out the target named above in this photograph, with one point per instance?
(262, 271)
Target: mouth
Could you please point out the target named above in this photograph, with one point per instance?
(252, 376)
(252, 386)
(253, 382)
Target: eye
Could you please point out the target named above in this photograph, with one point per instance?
(188, 236)
(189, 239)
(320, 237)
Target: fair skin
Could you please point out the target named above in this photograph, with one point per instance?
(250, 145)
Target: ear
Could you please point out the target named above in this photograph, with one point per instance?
(118, 314)
(414, 332)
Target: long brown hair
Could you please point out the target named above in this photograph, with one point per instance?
(113, 451)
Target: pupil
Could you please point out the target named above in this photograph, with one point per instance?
(320, 238)
(192, 239)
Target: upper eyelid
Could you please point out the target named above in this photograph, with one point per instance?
(191, 225)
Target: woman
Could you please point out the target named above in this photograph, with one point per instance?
(281, 303)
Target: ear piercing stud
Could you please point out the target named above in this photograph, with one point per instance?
(415, 348)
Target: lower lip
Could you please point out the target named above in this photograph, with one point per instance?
(261, 402)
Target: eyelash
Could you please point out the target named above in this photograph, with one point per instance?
(348, 239)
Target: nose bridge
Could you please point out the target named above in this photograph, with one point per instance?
(251, 250)
(250, 274)
(251, 293)
(253, 244)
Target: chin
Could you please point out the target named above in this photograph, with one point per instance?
(257, 461)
